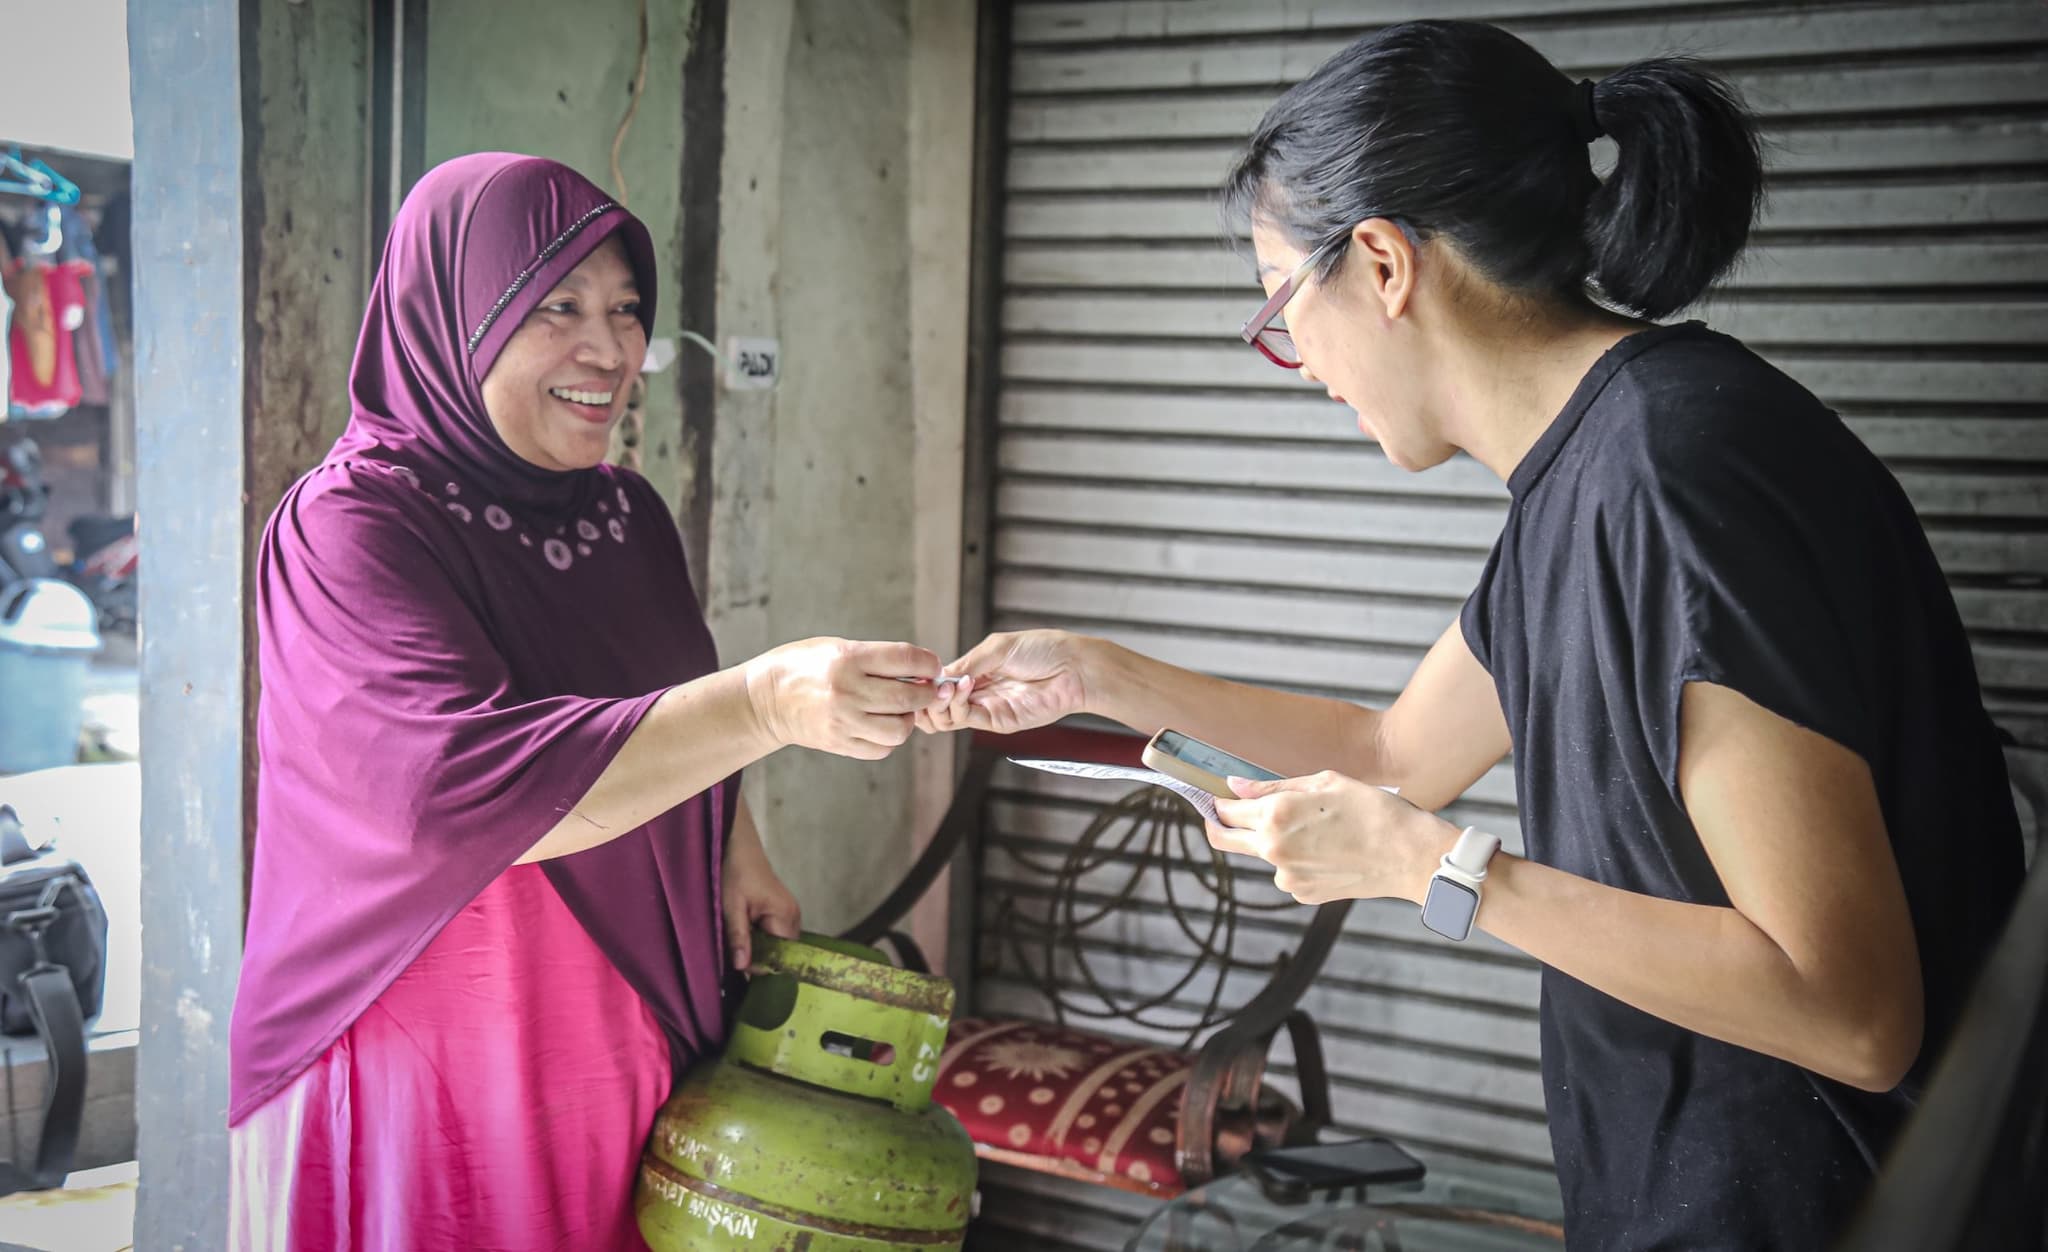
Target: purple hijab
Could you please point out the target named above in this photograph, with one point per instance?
(453, 645)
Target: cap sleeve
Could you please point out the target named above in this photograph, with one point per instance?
(1730, 574)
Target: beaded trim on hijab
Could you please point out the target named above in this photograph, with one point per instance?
(525, 276)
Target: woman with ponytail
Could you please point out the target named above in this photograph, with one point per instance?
(1768, 835)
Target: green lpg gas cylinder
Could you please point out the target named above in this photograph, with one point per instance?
(816, 1131)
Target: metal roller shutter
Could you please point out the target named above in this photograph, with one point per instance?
(1160, 484)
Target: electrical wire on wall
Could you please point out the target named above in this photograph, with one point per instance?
(632, 426)
(632, 107)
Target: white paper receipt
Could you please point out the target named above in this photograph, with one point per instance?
(1204, 803)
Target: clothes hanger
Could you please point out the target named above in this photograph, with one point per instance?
(35, 178)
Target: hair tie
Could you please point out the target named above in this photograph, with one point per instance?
(1585, 122)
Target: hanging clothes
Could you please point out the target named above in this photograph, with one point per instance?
(89, 346)
(6, 328)
(32, 331)
(58, 342)
(95, 335)
(49, 309)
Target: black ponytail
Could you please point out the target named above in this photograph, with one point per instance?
(1461, 129)
(1688, 180)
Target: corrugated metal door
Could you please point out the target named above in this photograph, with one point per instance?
(1159, 483)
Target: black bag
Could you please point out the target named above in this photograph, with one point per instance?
(53, 974)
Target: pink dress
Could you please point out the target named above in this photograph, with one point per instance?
(496, 1096)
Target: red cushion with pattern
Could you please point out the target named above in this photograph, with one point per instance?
(1032, 1088)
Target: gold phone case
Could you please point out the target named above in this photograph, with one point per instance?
(1192, 775)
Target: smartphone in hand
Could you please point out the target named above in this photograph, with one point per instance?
(1200, 764)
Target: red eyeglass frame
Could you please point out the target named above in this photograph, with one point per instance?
(1259, 331)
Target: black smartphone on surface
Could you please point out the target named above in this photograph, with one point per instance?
(1291, 1174)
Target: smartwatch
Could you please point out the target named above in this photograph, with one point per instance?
(1453, 900)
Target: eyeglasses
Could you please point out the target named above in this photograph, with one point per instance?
(1273, 342)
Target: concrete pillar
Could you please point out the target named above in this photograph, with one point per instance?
(249, 195)
(941, 104)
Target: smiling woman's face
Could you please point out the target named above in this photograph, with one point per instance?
(559, 385)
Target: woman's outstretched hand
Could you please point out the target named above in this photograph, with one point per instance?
(841, 696)
(1013, 682)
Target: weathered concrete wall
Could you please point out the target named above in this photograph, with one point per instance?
(836, 507)
(310, 267)
(554, 80)
(842, 482)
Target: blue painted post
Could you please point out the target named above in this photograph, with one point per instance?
(187, 82)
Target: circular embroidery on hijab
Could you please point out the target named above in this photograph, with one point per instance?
(404, 474)
(498, 518)
(526, 541)
(586, 528)
(460, 510)
(625, 505)
(583, 549)
(454, 489)
(557, 553)
(618, 529)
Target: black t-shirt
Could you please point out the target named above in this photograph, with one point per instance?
(1695, 515)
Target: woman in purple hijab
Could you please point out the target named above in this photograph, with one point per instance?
(502, 866)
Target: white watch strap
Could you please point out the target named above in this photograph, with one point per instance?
(1467, 860)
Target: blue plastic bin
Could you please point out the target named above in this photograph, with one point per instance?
(48, 635)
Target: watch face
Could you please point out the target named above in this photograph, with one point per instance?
(1449, 908)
